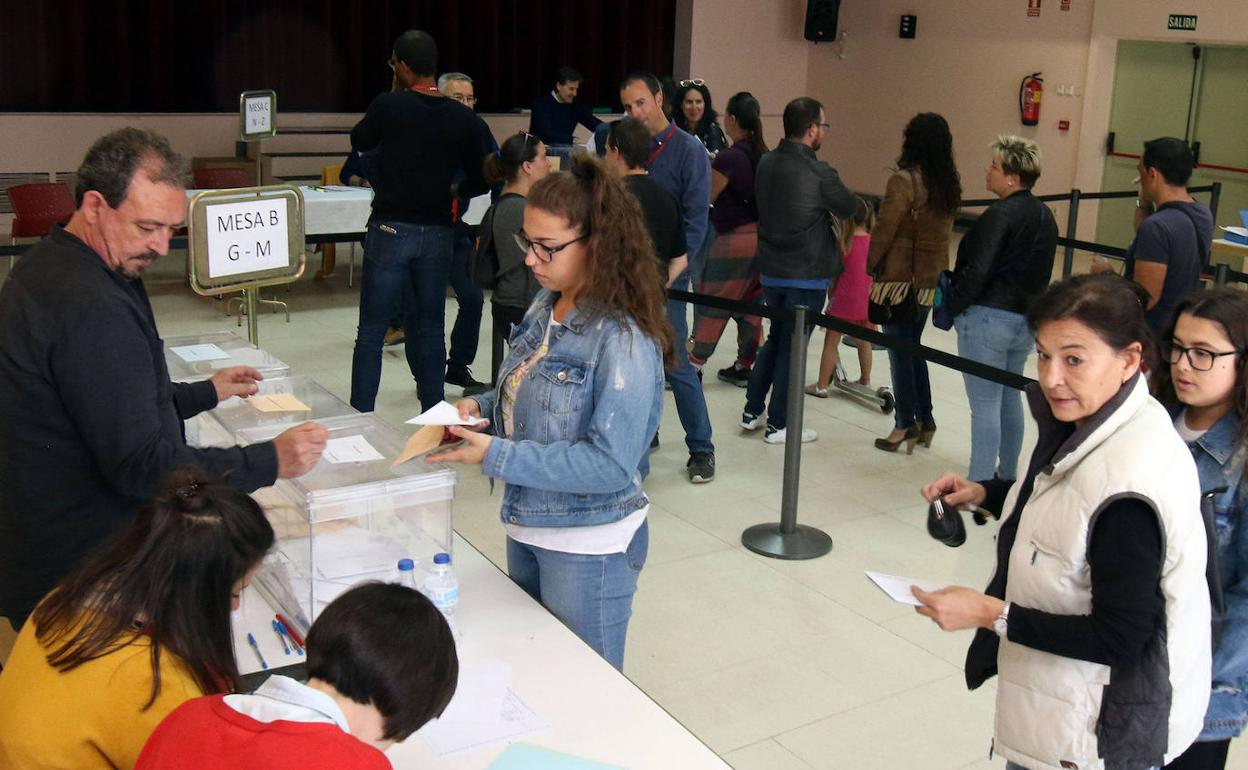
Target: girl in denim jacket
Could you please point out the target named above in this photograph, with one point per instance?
(578, 399)
(1206, 388)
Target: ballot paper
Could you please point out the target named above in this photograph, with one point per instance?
(278, 402)
(350, 449)
(196, 353)
(484, 710)
(443, 413)
(899, 587)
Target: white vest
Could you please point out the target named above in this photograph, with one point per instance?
(1049, 706)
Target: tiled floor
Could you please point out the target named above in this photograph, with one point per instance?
(775, 664)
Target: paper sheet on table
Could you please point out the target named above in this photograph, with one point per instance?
(1242, 232)
(482, 725)
(278, 402)
(526, 756)
(195, 353)
(442, 413)
(422, 441)
(899, 587)
(350, 449)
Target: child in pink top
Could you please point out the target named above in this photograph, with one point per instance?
(848, 298)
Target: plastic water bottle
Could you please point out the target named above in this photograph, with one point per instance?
(442, 588)
(407, 574)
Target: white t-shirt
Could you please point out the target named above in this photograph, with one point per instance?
(1188, 435)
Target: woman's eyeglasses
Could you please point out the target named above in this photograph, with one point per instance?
(692, 82)
(1200, 359)
(544, 253)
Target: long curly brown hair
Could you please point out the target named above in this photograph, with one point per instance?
(623, 278)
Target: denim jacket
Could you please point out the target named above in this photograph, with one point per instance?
(1220, 463)
(582, 422)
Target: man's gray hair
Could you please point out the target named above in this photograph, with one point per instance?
(447, 77)
(115, 158)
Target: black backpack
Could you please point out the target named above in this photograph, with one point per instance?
(485, 267)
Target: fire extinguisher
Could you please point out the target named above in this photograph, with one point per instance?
(1029, 98)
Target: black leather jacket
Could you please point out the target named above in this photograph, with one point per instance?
(797, 195)
(1006, 258)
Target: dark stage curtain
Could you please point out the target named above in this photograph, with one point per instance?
(319, 55)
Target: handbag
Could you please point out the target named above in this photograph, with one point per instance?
(891, 307)
(942, 316)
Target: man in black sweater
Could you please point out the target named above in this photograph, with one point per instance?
(556, 114)
(424, 138)
(89, 421)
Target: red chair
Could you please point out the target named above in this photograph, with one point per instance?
(36, 208)
(223, 178)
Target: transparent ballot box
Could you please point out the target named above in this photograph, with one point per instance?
(282, 401)
(352, 517)
(195, 357)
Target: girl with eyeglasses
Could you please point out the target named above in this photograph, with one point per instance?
(578, 399)
(1202, 381)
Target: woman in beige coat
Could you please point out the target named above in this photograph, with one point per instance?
(909, 248)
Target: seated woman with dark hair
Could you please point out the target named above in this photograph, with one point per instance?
(137, 629)
(381, 663)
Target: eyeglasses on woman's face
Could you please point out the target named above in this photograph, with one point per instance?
(541, 251)
(1200, 359)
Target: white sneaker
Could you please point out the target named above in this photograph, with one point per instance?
(751, 421)
(773, 436)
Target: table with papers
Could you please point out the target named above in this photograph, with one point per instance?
(524, 678)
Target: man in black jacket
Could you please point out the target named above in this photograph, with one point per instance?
(89, 420)
(798, 255)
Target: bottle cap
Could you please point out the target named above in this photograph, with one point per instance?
(407, 564)
(442, 558)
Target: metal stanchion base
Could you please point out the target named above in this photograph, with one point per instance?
(768, 540)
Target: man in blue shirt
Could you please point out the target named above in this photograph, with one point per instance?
(678, 163)
(798, 255)
(556, 114)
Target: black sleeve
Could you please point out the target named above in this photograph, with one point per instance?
(1125, 556)
(585, 116)
(997, 490)
(191, 398)
(472, 151)
(367, 133)
(676, 243)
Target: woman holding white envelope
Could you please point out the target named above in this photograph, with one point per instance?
(578, 399)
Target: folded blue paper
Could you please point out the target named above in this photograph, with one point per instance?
(526, 756)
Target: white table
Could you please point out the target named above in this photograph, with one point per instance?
(593, 710)
(331, 209)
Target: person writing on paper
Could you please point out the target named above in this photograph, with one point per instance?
(579, 397)
(381, 663)
(89, 421)
(138, 628)
(1096, 618)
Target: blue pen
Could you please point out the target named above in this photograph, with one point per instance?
(255, 646)
(281, 637)
(283, 629)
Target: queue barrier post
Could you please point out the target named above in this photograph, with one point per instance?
(1215, 195)
(1072, 223)
(788, 539)
(1221, 272)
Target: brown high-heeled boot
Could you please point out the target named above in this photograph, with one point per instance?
(909, 437)
(927, 429)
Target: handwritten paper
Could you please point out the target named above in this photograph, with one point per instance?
(278, 402)
(196, 353)
(443, 413)
(898, 588)
(350, 449)
(484, 710)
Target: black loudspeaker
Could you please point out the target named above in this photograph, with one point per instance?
(821, 19)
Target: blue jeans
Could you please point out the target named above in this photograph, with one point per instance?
(911, 387)
(686, 387)
(1002, 339)
(466, 332)
(406, 267)
(771, 368)
(592, 595)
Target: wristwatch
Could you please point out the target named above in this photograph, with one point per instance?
(1001, 624)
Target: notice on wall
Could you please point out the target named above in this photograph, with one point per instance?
(1182, 22)
(1033, 7)
(247, 237)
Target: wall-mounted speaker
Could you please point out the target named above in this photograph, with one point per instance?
(821, 19)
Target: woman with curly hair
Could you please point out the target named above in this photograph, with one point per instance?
(578, 399)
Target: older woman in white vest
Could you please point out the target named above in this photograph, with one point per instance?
(1096, 619)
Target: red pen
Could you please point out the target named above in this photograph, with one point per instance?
(290, 627)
